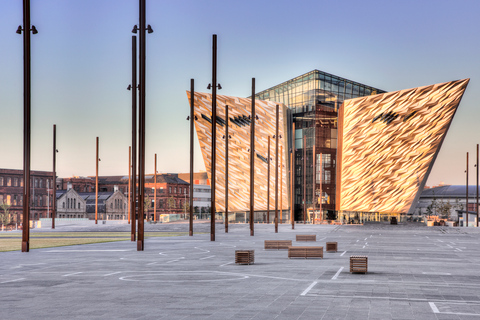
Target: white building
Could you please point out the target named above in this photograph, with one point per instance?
(202, 199)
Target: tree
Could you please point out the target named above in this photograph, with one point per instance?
(147, 204)
(171, 203)
(186, 206)
(5, 215)
(444, 209)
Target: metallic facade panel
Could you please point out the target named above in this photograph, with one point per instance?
(239, 145)
(389, 143)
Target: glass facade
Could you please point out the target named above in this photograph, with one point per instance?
(313, 99)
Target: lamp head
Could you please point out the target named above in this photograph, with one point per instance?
(209, 86)
(34, 30)
(19, 30)
(219, 87)
(149, 29)
(135, 29)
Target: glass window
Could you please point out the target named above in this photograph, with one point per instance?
(326, 160)
(15, 182)
(327, 176)
(21, 182)
(9, 199)
(9, 182)
(1, 181)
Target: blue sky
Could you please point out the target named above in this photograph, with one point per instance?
(81, 64)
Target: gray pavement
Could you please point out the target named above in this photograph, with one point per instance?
(415, 272)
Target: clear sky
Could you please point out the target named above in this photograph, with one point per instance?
(81, 67)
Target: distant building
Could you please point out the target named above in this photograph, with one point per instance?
(201, 199)
(172, 194)
(433, 199)
(79, 184)
(73, 205)
(11, 193)
(198, 177)
(70, 204)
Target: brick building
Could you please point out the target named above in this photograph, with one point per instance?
(79, 184)
(169, 186)
(11, 192)
(172, 194)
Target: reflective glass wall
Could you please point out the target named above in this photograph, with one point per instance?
(314, 99)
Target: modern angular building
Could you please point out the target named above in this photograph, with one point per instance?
(319, 114)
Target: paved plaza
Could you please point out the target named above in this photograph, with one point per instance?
(414, 272)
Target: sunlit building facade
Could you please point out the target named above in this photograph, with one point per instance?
(331, 128)
(313, 100)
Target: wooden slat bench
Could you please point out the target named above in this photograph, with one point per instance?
(306, 237)
(331, 247)
(305, 252)
(244, 256)
(358, 264)
(277, 244)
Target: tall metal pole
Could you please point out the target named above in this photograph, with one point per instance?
(155, 191)
(467, 192)
(320, 184)
(133, 204)
(96, 185)
(214, 137)
(129, 183)
(192, 116)
(314, 187)
(268, 181)
(281, 184)
(226, 169)
(252, 160)
(54, 177)
(477, 185)
(141, 154)
(276, 169)
(292, 177)
(304, 179)
(26, 127)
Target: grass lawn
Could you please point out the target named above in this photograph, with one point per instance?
(13, 241)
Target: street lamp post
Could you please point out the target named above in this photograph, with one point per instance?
(129, 183)
(155, 191)
(292, 175)
(268, 181)
(314, 187)
(142, 106)
(134, 88)
(26, 122)
(192, 117)
(96, 184)
(477, 184)
(304, 179)
(281, 184)
(54, 177)
(466, 192)
(214, 87)
(226, 169)
(252, 160)
(276, 168)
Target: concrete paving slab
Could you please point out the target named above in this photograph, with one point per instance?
(414, 272)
